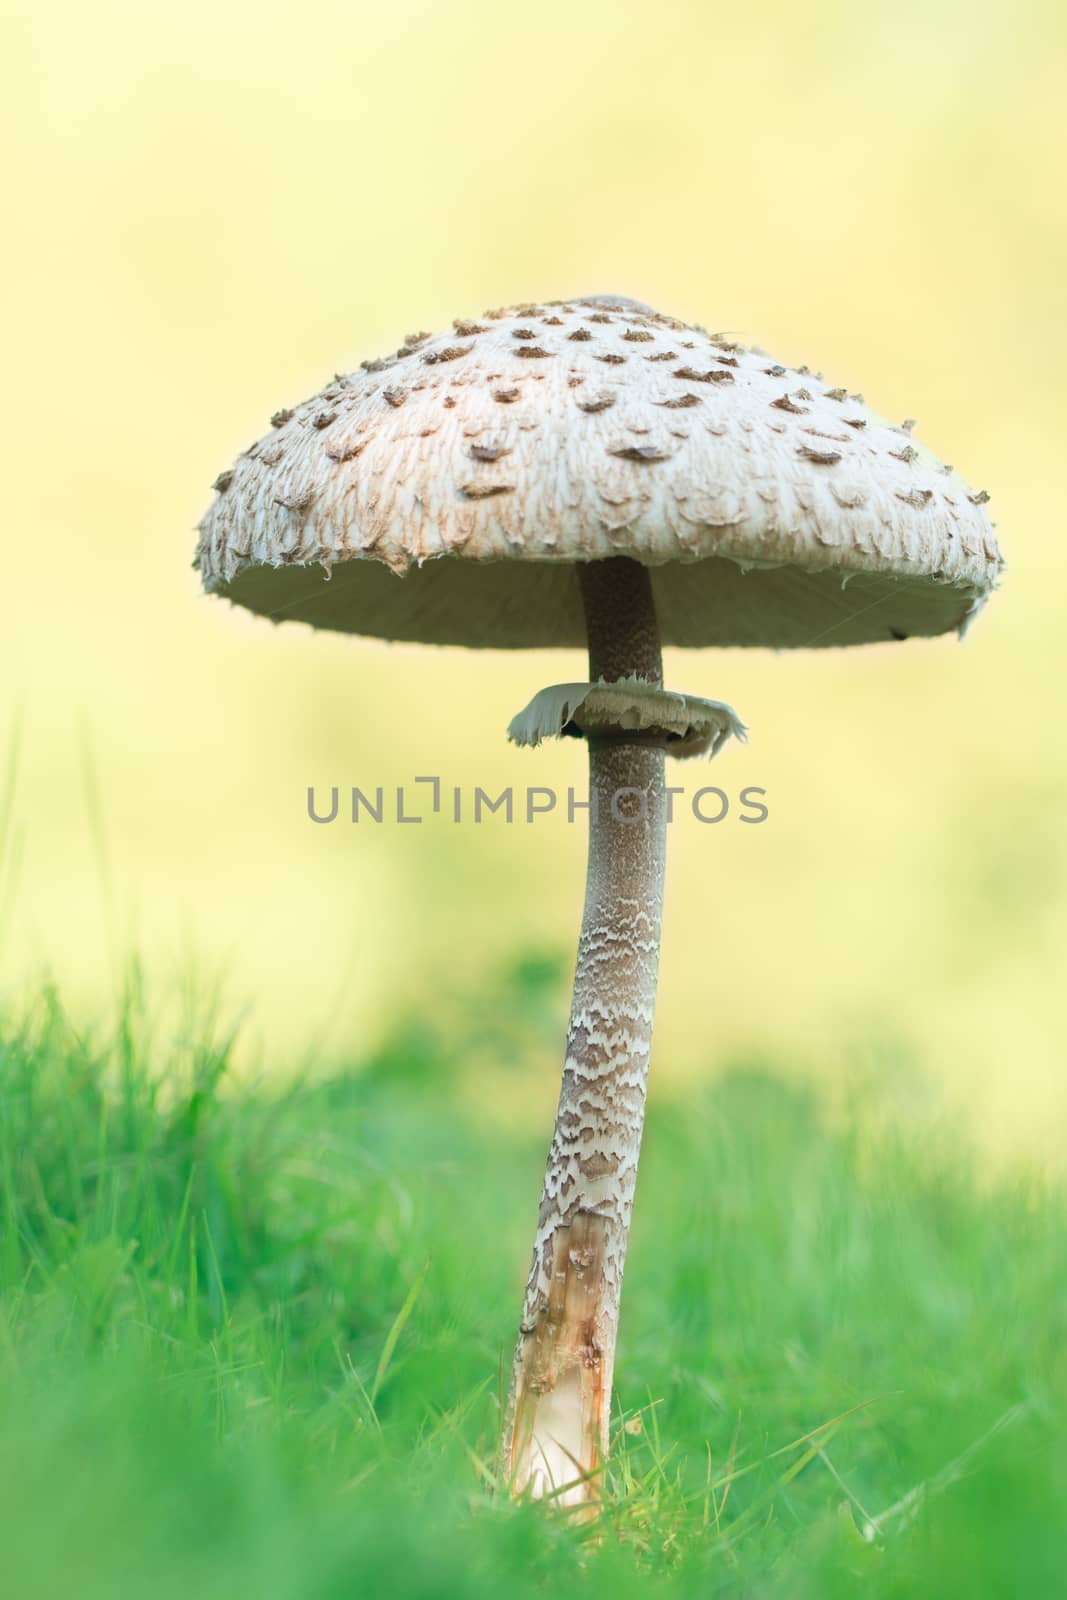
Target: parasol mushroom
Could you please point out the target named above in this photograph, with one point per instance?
(594, 473)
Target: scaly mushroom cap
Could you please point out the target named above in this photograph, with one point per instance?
(444, 494)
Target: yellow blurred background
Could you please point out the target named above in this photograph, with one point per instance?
(210, 208)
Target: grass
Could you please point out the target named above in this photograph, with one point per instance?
(251, 1339)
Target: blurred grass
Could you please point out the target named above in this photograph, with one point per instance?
(842, 1367)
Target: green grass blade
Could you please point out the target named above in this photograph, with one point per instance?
(392, 1337)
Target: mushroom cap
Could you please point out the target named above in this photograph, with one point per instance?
(445, 493)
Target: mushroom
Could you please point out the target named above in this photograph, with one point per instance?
(594, 473)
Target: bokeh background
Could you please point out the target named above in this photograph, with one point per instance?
(209, 208)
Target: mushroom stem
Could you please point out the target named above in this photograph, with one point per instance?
(556, 1435)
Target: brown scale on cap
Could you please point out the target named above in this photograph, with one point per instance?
(294, 499)
(451, 352)
(710, 375)
(825, 458)
(484, 491)
(344, 449)
(641, 452)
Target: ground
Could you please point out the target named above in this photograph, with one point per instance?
(252, 1337)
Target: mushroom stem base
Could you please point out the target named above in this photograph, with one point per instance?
(562, 1388)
